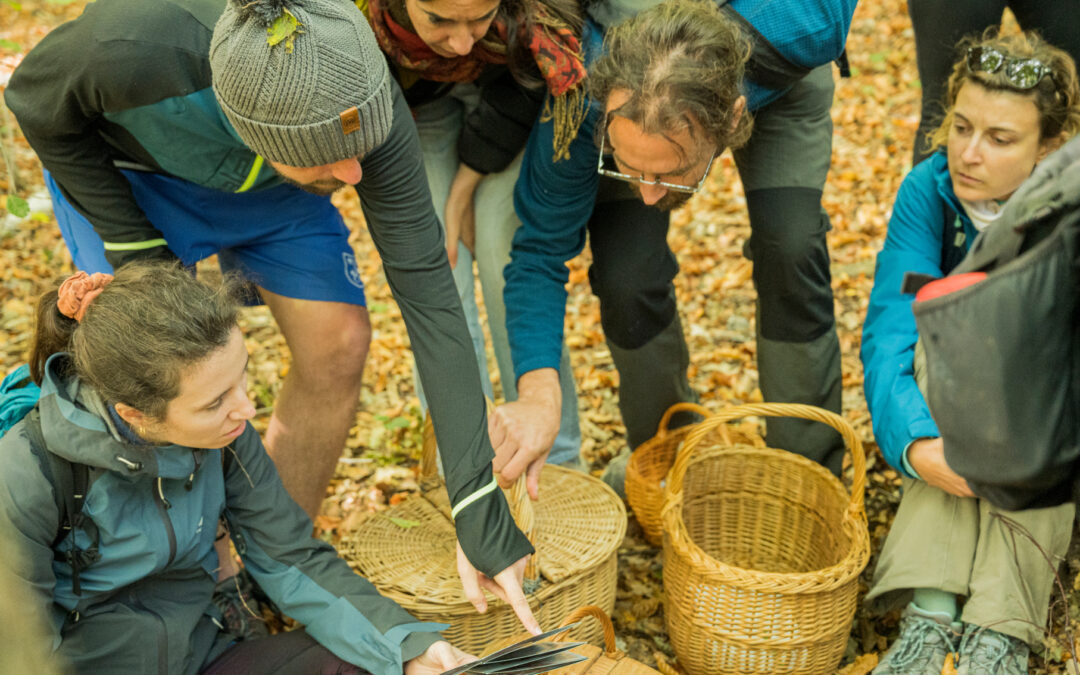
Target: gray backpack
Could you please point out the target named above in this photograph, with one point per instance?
(1003, 365)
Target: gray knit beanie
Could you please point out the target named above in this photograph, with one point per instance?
(318, 96)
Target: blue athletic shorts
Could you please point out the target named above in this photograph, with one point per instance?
(283, 239)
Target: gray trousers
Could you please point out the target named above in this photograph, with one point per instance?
(965, 546)
(1003, 562)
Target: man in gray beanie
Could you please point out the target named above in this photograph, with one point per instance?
(179, 129)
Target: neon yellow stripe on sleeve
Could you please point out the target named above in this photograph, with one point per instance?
(479, 494)
(252, 174)
(134, 245)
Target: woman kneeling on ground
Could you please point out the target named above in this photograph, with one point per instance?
(143, 380)
(971, 585)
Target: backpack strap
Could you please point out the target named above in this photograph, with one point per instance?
(70, 480)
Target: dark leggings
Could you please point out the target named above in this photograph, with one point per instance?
(292, 653)
(940, 24)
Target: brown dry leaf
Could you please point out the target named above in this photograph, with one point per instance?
(862, 665)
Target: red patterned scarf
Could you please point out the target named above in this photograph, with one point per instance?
(555, 48)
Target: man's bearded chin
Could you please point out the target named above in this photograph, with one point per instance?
(669, 202)
(323, 188)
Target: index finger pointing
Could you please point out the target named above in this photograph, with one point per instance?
(516, 597)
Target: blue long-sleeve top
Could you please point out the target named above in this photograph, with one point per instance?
(555, 199)
(925, 212)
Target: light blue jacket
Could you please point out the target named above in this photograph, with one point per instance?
(927, 219)
(145, 605)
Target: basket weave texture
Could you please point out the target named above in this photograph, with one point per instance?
(607, 661)
(576, 528)
(650, 462)
(762, 552)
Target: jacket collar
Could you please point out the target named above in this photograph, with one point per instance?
(939, 163)
(77, 426)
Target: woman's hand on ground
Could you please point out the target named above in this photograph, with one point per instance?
(506, 586)
(460, 212)
(439, 657)
(927, 457)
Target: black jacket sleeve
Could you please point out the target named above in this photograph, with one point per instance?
(496, 131)
(401, 218)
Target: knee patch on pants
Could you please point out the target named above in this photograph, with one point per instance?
(791, 263)
(632, 271)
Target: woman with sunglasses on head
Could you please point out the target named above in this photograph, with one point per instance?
(476, 74)
(144, 391)
(970, 583)
(939, 25)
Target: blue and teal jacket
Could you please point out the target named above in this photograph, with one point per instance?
(145, 605)
(555, 199)
(927, 228)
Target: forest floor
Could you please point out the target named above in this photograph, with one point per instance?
(875, 114)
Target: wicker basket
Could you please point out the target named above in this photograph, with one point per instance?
(762, 553)
(606, 661)
(649, 464)
(576, 528)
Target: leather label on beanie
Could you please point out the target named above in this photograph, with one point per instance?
(350, 120)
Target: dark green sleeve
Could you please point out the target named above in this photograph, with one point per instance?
(400, 216)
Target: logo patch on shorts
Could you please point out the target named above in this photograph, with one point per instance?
(352, 272)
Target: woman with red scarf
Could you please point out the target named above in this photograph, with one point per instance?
(476, 73)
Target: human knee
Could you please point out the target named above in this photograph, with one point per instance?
(633, 309)
(339, 350)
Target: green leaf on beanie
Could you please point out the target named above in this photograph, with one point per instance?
(285, 28)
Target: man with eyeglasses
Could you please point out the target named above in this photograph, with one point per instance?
(669, 95)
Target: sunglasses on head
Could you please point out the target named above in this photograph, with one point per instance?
(1022, 73)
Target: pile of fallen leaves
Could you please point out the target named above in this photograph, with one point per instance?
(875, 115)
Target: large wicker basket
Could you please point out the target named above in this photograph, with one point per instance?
(409, 553)
(762, 553)
(648, 466)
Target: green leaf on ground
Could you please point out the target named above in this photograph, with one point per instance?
(17, 206)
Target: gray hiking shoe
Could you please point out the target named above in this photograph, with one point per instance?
(926, 638)
(615, 472)
(988, 652)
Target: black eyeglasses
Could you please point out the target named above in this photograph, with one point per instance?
(606, 166)
(1022, 73)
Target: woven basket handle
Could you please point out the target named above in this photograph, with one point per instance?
(517, 496)
(683, 406)
(610, 650)
(808, 412)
